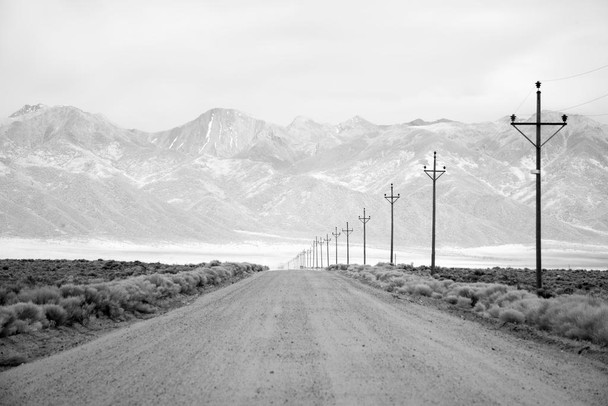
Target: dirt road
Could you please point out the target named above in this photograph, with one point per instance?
(307, 337)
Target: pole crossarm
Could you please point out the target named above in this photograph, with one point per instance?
(392, 198)
(562, 125)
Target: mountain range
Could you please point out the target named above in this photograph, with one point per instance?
(227, 177)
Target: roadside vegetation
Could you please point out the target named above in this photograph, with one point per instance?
(36, 295)
(567, 313)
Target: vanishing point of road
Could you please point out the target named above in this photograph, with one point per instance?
(307, 337)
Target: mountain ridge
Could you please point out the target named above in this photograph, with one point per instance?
(226, 171)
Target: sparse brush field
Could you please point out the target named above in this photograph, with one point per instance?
(574, 303)
(44, 295)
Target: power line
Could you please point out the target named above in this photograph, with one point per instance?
(582, 104)
(577, 75)
(524, 100)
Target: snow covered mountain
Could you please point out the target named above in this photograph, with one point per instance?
(66, 173)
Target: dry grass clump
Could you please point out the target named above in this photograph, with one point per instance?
(573, 316)
(51, 306)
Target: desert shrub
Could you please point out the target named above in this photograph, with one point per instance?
(165, 287)
(451, 299)
(55, 314)
(396, 283)
(385, 276)
(494, 311)
(28, 312)
(91, 295)
(7, 318)
(72, 290)
(479, 308)
(465, 302)
(513, 295)
(511, 316)
(42, 295)
(436, 295)
(25, 326)
(7, 296)
(491, 292)
(463, 291)
(422, 289)
(75, 312)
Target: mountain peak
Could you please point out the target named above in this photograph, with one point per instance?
(421, 122)
(27, 109)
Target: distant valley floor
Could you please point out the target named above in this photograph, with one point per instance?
(556, 254)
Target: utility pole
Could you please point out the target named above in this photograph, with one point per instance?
(364, 220)
(309, 259)
(336, 235)
(321, 250)
(538, 145)
(434, 175)
(347, 231)
(316, 254)
(327, 240)
(392, 199)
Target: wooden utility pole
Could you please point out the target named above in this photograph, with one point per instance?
(336, 235)
(327, 240)
(538, 145)
(392, 199)
(434, 175)
(364, 220)
(321, 250)
(347, 231)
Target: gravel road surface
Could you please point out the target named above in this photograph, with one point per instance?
(307, 337)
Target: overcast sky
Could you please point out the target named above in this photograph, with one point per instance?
(154, 65)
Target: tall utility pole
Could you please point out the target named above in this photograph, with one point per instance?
(538, 145)
(392, 199)
(321, 250)
(347, 231)
(364, 220)
(316, 253)
(336, 235)
(310, 257)
(327, 240)
(434, 175)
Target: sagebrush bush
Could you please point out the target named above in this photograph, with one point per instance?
(452, 299)
(72, 290)
(511, 316)
(7, 318)
(28, 312)
(73, 306)
(42, 295)
(422, 289)
(55, 314)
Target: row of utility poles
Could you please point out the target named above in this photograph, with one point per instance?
(309, 258)
(302, 259)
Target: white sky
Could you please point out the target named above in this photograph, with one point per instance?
(153, 65)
